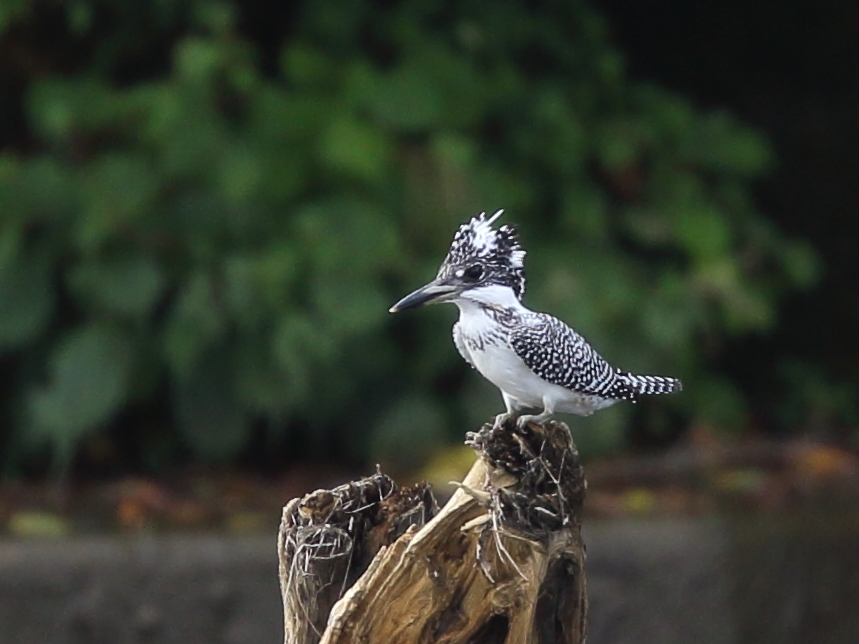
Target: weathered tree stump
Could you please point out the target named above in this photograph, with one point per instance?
(502, 562)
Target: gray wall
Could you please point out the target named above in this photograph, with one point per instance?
(650, 582)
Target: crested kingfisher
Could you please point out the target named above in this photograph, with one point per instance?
(537, 361)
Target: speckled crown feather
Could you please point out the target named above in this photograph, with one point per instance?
(498, 250)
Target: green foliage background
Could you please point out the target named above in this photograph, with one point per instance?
(208, 210)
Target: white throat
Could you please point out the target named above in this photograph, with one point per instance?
(492, 295)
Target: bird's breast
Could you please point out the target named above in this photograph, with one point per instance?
(490, 352)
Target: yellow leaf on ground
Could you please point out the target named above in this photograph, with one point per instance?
(638, 501)
(38, 524)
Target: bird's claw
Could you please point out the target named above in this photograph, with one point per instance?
(522, 422)
(500, 421)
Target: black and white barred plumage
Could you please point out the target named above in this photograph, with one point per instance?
(559, 355)
(535, 359)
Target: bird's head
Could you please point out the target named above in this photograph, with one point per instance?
(481, 260)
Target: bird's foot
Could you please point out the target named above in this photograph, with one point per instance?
(501, 420)
(538, 419)
(522, 421)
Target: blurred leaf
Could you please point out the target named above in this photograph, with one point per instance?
(347, 235)
(349, 308)
(195, 211)
(802, 263)
(704, 233)
(26, 301)
(53, 108)
(618, 145)
(194, 323)
(584, 212)
(727, 144)
(241, 289)
(239, 174)
(406, 98)
(356, 148)
(453, 151)
(39, 190)
(296, 344)
(210, 416)
(277, 272)
(302, 63)
(262, 384)
(198, 60)
(120, 189)
(11, 10)
(218, 16)
(88, 381)
(81, 17)
(62, 108)
(128, 286)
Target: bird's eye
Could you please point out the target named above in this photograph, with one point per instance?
(473, 272)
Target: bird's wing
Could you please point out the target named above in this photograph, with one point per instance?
(460, 345)
(559, 355)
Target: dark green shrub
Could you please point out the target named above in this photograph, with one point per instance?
(199, 210)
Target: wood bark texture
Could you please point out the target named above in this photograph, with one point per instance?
(501, 563)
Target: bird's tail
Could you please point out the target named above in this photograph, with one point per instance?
(652, 384)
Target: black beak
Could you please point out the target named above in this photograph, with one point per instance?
(433, 292)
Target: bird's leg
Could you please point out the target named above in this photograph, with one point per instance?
(512, 409)
(546, 414)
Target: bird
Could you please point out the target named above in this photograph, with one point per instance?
(537, 361)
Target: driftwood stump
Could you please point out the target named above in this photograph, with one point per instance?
(502, 562)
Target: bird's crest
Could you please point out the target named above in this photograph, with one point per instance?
(498, 249)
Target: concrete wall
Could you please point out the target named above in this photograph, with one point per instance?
(650, 582)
